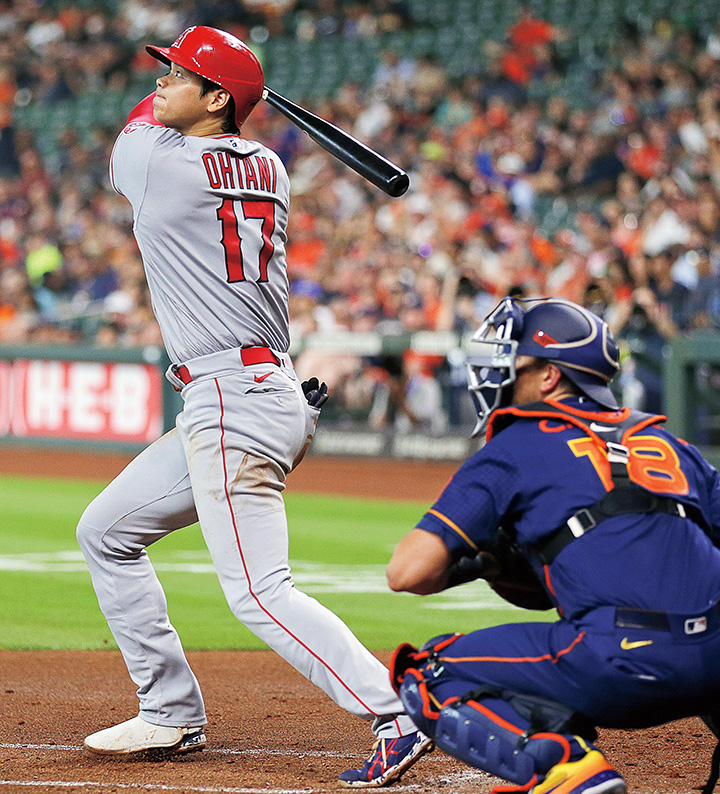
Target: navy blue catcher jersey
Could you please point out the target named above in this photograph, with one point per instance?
(536, 473)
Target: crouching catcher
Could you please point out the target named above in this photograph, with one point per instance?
(582, 506)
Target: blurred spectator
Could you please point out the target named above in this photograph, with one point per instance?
(308, 314)
(528, 55)
(529, 31)
(42, 257)
(18, 311)
(109, 335)
(408, 397)
(645, 334)
(394, 75)
(420, 404)
(673, 298)
(9, 162)
(306, 245)
(705, 297)
(53, 296)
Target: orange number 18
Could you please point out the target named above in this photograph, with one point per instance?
(653, 463)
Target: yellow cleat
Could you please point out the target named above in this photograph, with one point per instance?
(592, 774)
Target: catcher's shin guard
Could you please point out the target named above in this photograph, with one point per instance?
(422, 708)
(478, 728)
(410, 669)
(407, 656)
(476, 735)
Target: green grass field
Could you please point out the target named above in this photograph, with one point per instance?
(338, 550)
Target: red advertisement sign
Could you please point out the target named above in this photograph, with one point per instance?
(88, 400)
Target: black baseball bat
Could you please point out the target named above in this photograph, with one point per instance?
(361, 158)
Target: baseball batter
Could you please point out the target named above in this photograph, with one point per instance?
(576, 504)
(210, 210)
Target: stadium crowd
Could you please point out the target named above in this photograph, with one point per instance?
(612, 201)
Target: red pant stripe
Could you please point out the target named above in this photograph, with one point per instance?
(247, 576)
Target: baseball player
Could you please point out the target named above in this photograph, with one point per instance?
(576, 504)
(210, 210)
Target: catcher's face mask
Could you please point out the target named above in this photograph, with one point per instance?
(491, 367)
(574, 339)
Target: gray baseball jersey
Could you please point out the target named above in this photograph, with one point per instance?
(209, 217)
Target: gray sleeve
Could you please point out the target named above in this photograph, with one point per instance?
(130, 159)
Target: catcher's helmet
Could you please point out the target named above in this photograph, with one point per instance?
(577, 341)
(222, 58)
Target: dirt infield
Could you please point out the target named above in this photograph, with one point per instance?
(347, 476)
(269, 729)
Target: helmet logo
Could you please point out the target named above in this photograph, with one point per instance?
(179, 40)
(544, 339)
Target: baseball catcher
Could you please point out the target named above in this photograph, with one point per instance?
(582, 506)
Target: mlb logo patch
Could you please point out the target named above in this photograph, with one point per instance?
(695, 625)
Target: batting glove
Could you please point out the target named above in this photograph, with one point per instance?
(315, 393)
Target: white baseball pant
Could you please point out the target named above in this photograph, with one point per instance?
(225, 464)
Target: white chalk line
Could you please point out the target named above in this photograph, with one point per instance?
(218, 750)
(314, 577)
(464, 776)
(149, 787)
(22, 746)
(214, 750)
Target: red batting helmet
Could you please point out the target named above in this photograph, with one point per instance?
(221, 58)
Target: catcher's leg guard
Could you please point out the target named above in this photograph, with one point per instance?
(410, 670)
(406, 656)
(475, 734)
(422, 708)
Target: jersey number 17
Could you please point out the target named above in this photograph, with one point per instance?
(264, 211)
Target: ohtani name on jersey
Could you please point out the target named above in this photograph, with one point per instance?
(233, 172)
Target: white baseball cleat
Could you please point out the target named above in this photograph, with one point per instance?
(136, 736)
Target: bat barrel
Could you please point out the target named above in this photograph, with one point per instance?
(366, 162)
(361, 158)
(397, 185)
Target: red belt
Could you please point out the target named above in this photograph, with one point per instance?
(248, 356)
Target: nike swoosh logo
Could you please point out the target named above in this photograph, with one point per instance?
(261, 378)
(601, 428)
(626, 645)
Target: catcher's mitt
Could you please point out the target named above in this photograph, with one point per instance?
(508, 573)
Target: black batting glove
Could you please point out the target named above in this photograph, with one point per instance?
(316, 393)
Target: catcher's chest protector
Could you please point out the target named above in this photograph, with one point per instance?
(615, 426)
(611, 431)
